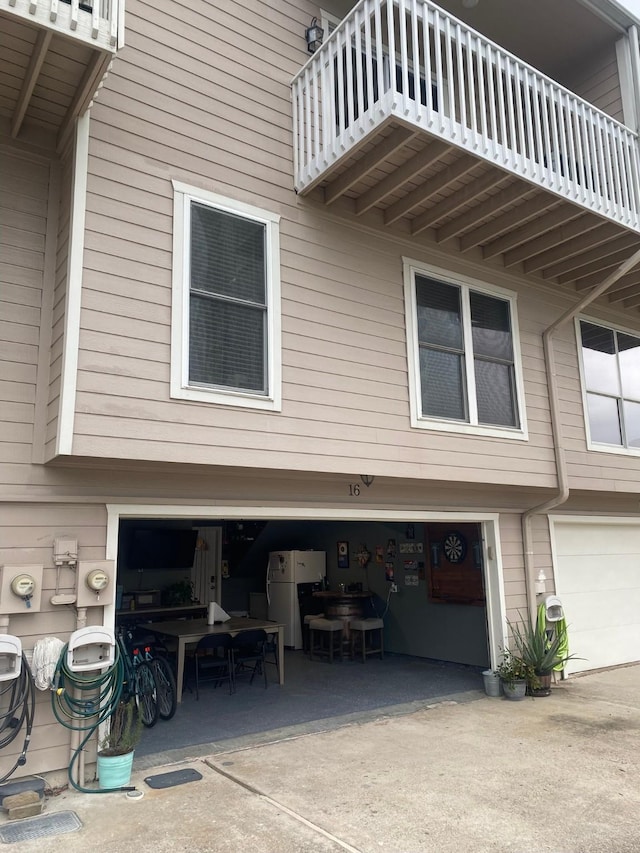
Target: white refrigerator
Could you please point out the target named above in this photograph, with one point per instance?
(285, 570)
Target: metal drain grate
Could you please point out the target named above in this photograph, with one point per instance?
(39, 827)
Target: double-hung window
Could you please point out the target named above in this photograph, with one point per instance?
(611, 375)
(226, 324)
(463, 355)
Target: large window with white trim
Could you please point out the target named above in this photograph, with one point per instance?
(463, 355)
(226, 301)
(611, 372)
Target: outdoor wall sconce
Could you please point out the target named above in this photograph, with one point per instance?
(314, 35)
(367, 479)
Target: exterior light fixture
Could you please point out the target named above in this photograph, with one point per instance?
(314, 35)
(367, 479)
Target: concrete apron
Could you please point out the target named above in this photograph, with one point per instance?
(550, 774)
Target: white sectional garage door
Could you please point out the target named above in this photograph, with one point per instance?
(597, 572)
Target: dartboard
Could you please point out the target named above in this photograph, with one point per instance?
(454, 546)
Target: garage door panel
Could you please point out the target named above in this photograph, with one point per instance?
(591, 611)
(601, 539)
(597, 574)
(604, 647)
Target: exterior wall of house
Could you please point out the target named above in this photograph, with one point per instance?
(599, 83)
(345, 392)
(24, 194)
(197, 100)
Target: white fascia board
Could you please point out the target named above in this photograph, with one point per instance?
(69, 376)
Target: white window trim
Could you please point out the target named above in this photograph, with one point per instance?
(418, 420)
(180, 388)
(599, 447)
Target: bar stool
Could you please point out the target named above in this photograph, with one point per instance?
(325, 638)
(305, 629)
(365, 630)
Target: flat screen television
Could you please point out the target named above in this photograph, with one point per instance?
(162, 548)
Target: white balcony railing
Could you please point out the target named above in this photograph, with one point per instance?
(409, 60)
(96, 22)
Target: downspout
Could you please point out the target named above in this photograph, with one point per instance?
(554, 408)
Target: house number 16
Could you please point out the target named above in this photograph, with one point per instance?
(354, 490)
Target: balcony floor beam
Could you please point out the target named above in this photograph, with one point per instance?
(603, 233)
(506, 222)
(449, 205)
(405, 173)
(528, 233)
(491, 207)
(572, 225)
(592, 256)
(430, 188)
(392, 143)
(33, 71)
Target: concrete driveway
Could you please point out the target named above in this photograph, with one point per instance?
(555, 774)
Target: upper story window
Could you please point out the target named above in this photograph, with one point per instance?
(611, 373)
(226, 301)
(464, 366)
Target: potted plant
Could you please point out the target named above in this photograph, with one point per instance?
(542, 652)
(177, 594)
(115, 752)
(514, 674)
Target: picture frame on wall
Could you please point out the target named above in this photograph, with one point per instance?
(343, 555)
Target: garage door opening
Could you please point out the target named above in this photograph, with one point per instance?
(437, 630)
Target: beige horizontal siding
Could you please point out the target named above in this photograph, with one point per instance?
(24, 192)
(600, 83)
(27, 534)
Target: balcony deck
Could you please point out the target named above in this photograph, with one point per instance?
(491, 153)
(54, 56)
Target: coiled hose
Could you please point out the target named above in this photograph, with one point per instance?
(18, 696)
(83, 701)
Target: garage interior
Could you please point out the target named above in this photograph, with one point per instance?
(436, 633)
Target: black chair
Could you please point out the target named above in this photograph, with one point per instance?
(248, 655)
(213, 659)
(271, 652)
(309, 606)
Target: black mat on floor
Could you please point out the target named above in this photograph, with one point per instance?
(175, 777)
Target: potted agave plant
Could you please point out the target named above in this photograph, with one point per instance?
(542, 653)
(115, 752)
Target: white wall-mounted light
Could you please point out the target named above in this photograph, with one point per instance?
(314, 35)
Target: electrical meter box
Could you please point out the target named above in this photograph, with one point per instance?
(96, 583)
(20, 589)
(90, 648)
(10, 657)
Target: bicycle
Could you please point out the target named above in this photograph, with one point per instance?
(144, 651)
(139, 682)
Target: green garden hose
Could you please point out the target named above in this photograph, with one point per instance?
(83, 701)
